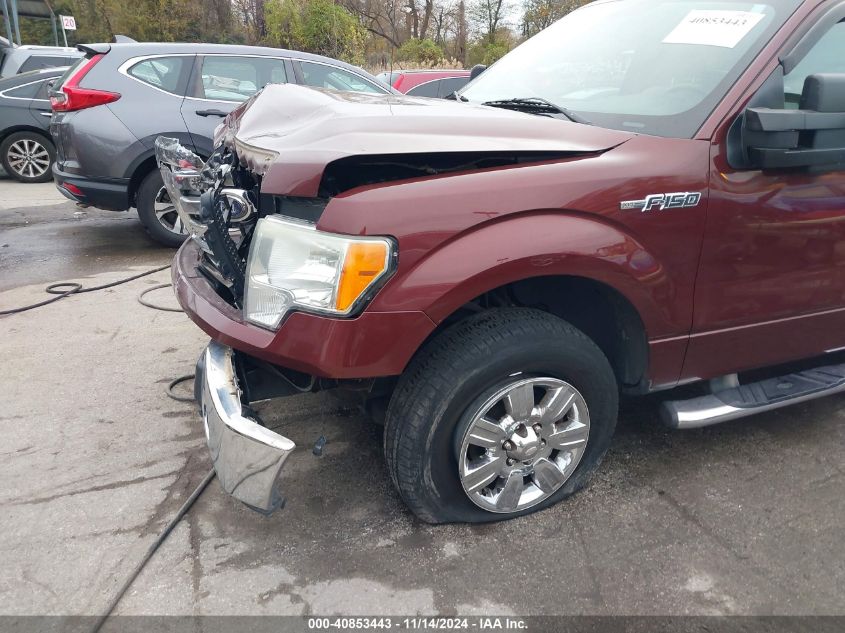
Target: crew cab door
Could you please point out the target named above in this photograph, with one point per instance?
(219, 84)
(771, 286)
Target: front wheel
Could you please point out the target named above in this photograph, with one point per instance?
(504, 414)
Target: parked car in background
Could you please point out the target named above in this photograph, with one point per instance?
(109, 108)
(26, 150)
(21, 59)
(426, 83)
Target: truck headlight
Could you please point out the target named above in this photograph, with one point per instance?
(294, 265)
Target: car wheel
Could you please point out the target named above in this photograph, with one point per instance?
(28, 157)
(505, 413)
(157, 213)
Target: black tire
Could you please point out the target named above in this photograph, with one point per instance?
(149, 191)
(12, 144)
(444, 383)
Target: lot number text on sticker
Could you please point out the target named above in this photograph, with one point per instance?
(713, 28)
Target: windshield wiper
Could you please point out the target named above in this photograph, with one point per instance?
(454, 96)
(536, 105)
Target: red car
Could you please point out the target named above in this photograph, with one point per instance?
(426, 83)
(642, 196)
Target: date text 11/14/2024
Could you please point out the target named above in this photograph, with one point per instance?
(416, 623)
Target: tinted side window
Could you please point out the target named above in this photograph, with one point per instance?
(44, 88)
(161, 72)
(322, 76)
(427, 89)
(827, 56)
(42, 61)
(450, 84)
(238, 78)
(27, 91)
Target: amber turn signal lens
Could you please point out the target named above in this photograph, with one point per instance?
(363, 264)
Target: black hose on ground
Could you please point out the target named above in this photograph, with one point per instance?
(152, 550)
(72, 288)
(66, 289)
(144, 302)
(177, 381)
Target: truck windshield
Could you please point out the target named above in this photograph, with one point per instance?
(652, 67)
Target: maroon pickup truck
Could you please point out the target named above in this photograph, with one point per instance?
(644, 195)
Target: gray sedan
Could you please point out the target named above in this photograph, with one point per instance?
(26, 150)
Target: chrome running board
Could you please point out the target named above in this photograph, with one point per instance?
(739, 401)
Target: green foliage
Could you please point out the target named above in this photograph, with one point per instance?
(143, 20)
(316, 26)
(283, 21)
(420, 51)
(486, 53)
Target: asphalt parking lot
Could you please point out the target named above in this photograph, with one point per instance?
(743, 518)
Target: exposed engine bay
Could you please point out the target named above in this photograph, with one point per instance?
(220, 200)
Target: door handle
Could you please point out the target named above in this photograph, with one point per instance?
(211, 113)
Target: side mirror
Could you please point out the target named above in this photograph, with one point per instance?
(812, 136)
(476, 70)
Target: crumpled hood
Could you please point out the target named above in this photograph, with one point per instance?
(291, 133)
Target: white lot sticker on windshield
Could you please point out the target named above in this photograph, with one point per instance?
(713, 28)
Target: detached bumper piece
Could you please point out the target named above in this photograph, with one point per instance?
(248, 458)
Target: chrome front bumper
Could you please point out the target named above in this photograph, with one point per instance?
(248, 458)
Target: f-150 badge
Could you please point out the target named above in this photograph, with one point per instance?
(662, 201)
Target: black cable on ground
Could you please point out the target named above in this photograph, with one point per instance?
(175, 382)
(143, 302)
(66, 289)
(72, 288)
(152, 550)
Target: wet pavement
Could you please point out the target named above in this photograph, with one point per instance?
(743, 518)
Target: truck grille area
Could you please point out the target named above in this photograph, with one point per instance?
(226, 259)
(230, 210)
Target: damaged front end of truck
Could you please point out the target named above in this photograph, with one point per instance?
(285, 299)
(220, 204)
(215, 203)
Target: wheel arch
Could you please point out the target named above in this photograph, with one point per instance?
(584, 270)
(139, 169)
(13, 129)
(600, 311)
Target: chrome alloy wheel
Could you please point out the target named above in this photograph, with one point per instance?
(28, 158)
(523, 443)
(166, 213)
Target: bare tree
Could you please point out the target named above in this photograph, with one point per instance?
(461, 52)
(251, 14)
(540, 14)
(382, 18)
(487, 16)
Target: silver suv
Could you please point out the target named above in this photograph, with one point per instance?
(109, 108)
(23, 59)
